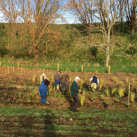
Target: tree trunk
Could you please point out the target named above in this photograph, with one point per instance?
(107, 56)
(132, 30)
(107, 49)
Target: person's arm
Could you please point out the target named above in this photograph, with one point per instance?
(98, 81)
(91, 79)
(49, 84)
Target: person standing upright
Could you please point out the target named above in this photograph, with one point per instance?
(94, 81)
(64, 78)
(57, 80)
(74, 93)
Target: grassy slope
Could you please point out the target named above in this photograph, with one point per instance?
(73, 55)
(90, 122)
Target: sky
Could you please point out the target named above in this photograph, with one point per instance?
(70, 19)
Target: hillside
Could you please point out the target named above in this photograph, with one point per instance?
(74, 48)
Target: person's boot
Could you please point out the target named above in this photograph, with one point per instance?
(41, 103)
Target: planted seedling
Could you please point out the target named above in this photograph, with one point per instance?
(82, 100)
(85, 78)
(70, 79)
(34, 77)
(116, 99)
(52, 77)
(132, 96)
(28, 98)
(121, 92)
(117, 80)
(127, 79)
(33, 94)
(92, 97)
(107, 92)
(106, 103)
(55, 94)
(19, 94)
(114, 78)
(62, 100)
(127, 104)
(133, 81)
(81, 85)
(83, 92)
(113, 90)
(102, 96)
(121, 83)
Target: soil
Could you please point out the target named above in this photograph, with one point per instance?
(22, 81)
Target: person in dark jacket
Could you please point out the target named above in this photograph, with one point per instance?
(57, 80)
(74, 93)
(43, 90)
(64, 78)
(94, 81)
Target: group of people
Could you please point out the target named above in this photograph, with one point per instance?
(63, 81)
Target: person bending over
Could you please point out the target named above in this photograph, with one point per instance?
(57, 80)
(43, 90)
(94, 81)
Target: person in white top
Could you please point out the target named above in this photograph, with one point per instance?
(94, 81)
(42, 77)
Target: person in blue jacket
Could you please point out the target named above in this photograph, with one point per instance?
(43, 90)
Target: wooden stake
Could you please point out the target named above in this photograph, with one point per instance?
(5, 71)
(109, 70)
(18, 64)
(0, 63)
(82, 68)
(128, 92)
(58, 68)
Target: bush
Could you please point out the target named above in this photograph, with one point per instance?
(131, 51)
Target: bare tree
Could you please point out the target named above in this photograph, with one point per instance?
(35, 29)
(106, 13)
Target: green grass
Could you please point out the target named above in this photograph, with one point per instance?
(74, 67)
(86, 121)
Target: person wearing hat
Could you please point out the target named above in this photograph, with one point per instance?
(74, 93)
(94, 81)
(43, 90)
(42, 77)
(57, 80)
